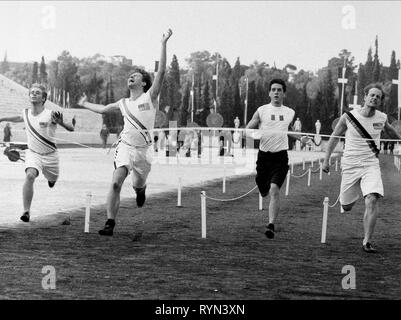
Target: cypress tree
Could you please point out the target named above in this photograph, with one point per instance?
(4, 67)
(34, 78)
(42, 72)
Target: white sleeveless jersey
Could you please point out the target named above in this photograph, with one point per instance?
(40, 131)
(357, 150)
(139, 116)
(274, 119)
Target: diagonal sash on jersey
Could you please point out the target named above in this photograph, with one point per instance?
(130, 117)
(37, 135)
(362, 131)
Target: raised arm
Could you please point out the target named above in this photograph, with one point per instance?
(12, 119)
(98, 108)
(339, 130)
(157, 83)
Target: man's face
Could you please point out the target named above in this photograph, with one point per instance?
(134, 80)
(374, 98)
(35, 95)
(276, 93)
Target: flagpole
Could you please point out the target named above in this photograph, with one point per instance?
(342, 91)
(192, 98)
(217, 82)
(246, 101)
(343, 82)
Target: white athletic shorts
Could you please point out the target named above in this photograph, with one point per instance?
(47, 164)
(362, 178)
(135, 159)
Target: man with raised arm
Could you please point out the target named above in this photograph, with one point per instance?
(360, 163)
(41, 156)
(133, 152)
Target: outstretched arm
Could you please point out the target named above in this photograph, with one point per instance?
(157, 83)
(339, 130)
(98, 108)
(12, 119)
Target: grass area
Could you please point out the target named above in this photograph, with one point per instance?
(157, 251)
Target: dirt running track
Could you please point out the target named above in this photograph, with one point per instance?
(157, 251)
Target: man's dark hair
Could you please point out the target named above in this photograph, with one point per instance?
(42, 88)
(145, 78)
(376, 86)
(278, 81)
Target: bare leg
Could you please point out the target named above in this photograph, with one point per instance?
(274, 205)
(113, 198)
(27, 189)
(370, 216)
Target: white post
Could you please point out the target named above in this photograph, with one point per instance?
(292, 167)
(303, 163)
(321, 172)
(311, 163)
(324, 222)
(224, 180)
(328, 173)
(287, 187)
(203, 214)
(309, 176)
(179, 193)
(343, 81)
(398, 83)
(336, 164)
(88, 211)
(260, 202)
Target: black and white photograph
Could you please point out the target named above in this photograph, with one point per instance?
(200, 155)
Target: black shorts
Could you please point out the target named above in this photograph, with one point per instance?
(271, 167)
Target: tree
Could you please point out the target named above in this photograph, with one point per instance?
(42, 72)
(206, 102)
(185, 108)
(226, 103)
(64, 76)
(392, 103)
(369, 68)
(362, 80)
(173, 86)
(34, 78)
(4, 67)
(376, 64)
(235, 82)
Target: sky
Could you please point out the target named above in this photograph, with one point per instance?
(303, 33)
